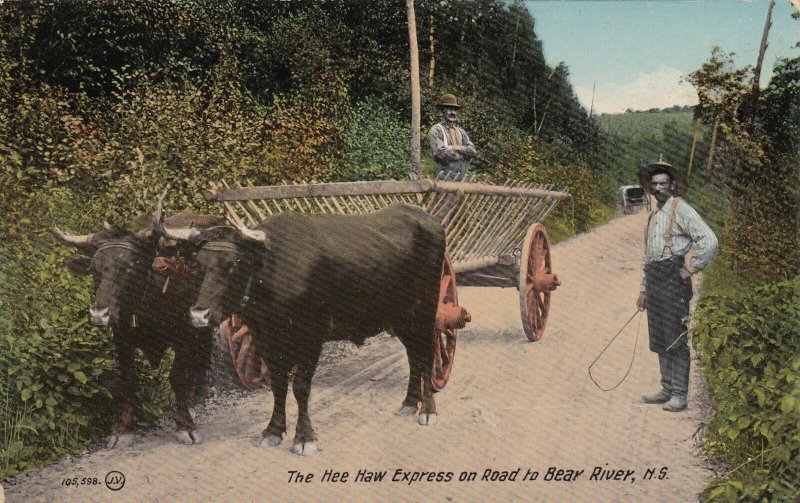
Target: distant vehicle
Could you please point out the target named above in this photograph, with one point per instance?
(632, 198)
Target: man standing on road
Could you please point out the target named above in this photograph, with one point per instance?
(672, 228)
(450, 145)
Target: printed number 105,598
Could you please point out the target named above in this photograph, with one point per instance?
(81, 481)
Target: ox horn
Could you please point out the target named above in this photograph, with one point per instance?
(252, 234)
(81, 241)
(157, 218)
(158, 215)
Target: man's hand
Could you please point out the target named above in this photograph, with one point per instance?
(640, 302)
(456, 148)
(685, 274)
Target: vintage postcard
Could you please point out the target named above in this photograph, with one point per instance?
(399, 251)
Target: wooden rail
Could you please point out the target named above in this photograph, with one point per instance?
(376, 188)
(483, 222)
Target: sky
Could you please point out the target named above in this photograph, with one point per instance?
(636, 52)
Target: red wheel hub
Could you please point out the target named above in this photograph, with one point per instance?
(450, 317)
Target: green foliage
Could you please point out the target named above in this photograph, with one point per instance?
(757, 158)
(749, 346)
(56, 370)
(376, 144)
(535, 162)
(630, 124)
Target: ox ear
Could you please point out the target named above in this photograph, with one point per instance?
(79, 265)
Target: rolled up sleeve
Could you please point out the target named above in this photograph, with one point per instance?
(702, 236)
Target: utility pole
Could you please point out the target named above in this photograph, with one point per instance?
(415, 92)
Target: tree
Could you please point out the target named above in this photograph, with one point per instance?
(757, 159)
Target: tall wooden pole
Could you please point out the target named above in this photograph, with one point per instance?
(432, 41)
(762, 50)
(415, 91)
(750, 104)
(710, 160)
(696, 134)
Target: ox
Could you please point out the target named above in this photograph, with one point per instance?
(301, 280)
(145, 311)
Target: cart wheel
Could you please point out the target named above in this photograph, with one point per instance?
(536, 281)
(251, 369)
(444, 336)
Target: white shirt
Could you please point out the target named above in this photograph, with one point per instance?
(687, 229)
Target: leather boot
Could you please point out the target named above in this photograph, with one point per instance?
(666, 386)
(680, 364)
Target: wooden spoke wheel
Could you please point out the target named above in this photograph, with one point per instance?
(251, 369)
(444, 337)
(536, 282)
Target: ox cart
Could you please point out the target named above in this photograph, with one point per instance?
(494, 238)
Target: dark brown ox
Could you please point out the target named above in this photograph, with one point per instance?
(144, 310)
(309, 279)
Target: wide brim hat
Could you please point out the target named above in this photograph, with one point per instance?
(647, 171)
(448, 101)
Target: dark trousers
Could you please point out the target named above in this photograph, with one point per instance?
(667, 302)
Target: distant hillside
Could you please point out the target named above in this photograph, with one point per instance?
(632, 124)
(634, 138)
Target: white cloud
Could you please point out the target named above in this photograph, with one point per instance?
(659, 89)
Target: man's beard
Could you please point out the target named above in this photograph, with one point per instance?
(661, 196)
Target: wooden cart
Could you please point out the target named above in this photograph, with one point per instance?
(494, 238)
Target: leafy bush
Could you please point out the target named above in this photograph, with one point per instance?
(56, 370)
(749, 345)
(376, 144)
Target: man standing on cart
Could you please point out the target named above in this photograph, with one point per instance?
(451, 147)
(672, 228)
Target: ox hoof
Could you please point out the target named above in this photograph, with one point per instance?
(304, 448)
(407, 410)
(427, 419)
(270, 441)
(123, 441)
(189, 437)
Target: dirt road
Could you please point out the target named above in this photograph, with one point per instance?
(523, 408)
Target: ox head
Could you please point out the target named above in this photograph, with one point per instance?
(119, 261)
(228, 261)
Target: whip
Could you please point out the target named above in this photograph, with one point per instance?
(609, 345)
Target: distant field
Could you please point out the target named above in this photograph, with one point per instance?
(632, 124)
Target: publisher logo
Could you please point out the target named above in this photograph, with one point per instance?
(115, 480)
